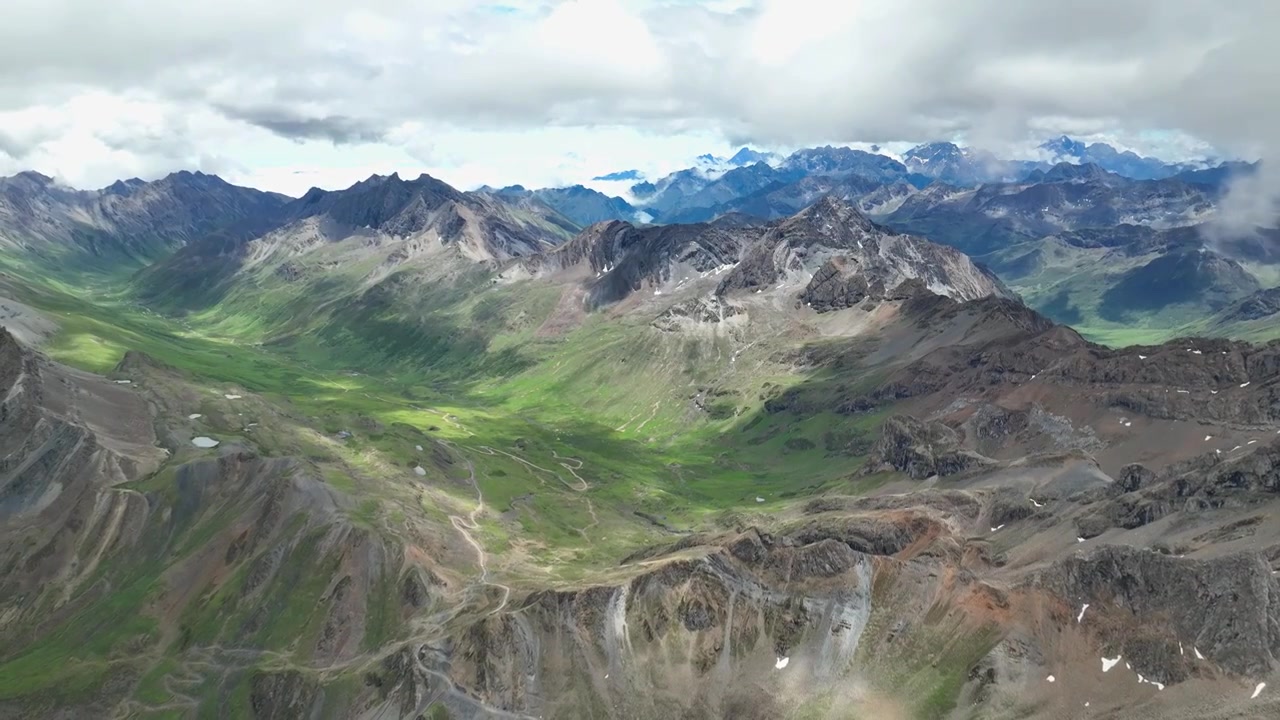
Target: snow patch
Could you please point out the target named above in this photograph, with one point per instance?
(1037, 504)
(1197, 652)
(1081, 615)
(419, 471)
(1258, 691)
(204, 442)
(1108, 664)
(232, 397)
(1245, 385)
(194, 416)
(994, 529)
(124, 382)
(782, 663)
(759, 499)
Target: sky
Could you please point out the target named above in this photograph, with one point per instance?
(286, 94)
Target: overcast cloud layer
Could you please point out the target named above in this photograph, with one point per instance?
(286, 94)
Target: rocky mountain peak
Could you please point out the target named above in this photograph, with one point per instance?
(844, 258)
(124, 187)
(836, 161)
(935, 151)
(831, 218)
(34, 177)
(27, 182)
(747, 156)
(380, 200)
(1064, 146)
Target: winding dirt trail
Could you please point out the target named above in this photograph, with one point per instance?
(582, 487)
(465, 528)
(468, 525)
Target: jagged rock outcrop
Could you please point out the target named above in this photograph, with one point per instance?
(1134, 477)
(921, 450)
(831, 237)
(623, 258)
(1227, 609)
(697, 312)
(1202, 483)
(723, 611)
(1000, 344)
(835, 286)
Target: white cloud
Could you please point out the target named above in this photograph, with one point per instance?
(504, 91)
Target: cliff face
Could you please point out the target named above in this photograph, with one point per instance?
(831, 240)
(1227, 610)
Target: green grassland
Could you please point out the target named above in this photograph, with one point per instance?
(1079, 287)
(585, 446)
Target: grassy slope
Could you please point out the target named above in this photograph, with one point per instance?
(1070, 284)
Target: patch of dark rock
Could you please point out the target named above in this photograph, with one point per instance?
(698, 310)
(799, 444)
(696, 615)
(135, 360)
(836, 285)
(1134, 477)
(1228, 606)
(1092, 525)
(921, 450)
(283, 695)
(869, 534)
(765, 436)
(289, 271)
(1157, 658)
(749, 547)
(659, 522)
(1006, 509)
(825, 558)
(414, 590)
(236, 547)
